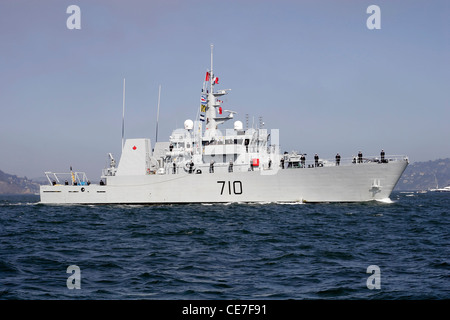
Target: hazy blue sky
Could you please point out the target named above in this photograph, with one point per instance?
(310, 68)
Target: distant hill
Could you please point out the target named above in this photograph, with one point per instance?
(425, 175)
(12, 184)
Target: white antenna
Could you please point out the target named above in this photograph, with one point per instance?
(123, 114)
(157, 113)
(211, 72)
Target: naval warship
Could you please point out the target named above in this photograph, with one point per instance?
(203, 164)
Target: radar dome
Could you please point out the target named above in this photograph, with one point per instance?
(237, 125)
(188, 124)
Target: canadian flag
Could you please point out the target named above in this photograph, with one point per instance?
(207, 76)
(216, 80)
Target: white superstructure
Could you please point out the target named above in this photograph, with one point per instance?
(208, 165)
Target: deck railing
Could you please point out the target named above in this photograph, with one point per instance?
(67, 178)
(347, 161)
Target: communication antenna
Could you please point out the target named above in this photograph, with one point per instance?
(157, 113)
(212, 73)
(123, 113)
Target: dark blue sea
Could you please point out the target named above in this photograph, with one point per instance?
(226, 251)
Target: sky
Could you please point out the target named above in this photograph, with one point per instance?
(312, 69)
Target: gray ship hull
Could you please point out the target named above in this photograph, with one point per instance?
(349, 183)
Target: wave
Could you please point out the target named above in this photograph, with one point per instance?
(291, 203)
(385, 200)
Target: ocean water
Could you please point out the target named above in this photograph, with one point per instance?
(227, 251)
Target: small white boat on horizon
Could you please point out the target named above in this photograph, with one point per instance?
(445, 189)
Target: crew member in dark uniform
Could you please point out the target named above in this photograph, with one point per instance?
(230, 167)
(338, 159)
(316, 160)
(360, 157)
(382, 156)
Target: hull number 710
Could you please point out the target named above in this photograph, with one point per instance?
(232, 187)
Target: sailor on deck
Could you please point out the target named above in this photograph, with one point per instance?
(338, 159)
(230, 167)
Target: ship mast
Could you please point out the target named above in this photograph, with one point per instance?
(157, 113)
(123, 113)
(211, 81)
(211, 125)
(212, 121)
